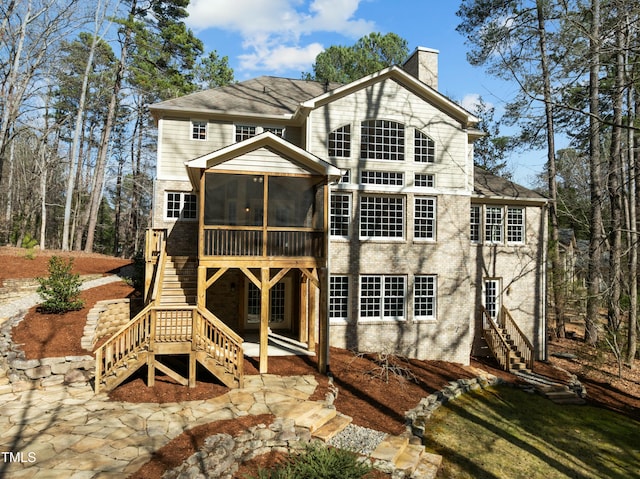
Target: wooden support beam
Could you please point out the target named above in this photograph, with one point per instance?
(171, 373)
(313, 313)
(273, 281)
(323, 314)
(264, 321)
(312, 275)
(192, 369)
(216, 276)
(202, 288)
(151, 369)
(304, 309)
(252, 277)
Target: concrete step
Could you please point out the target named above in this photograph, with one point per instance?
(333, 427)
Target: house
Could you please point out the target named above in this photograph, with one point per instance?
(345, 215)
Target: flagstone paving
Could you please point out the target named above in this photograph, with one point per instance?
(74, 433)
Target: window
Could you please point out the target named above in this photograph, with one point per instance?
(382, 297)
(424, 226)
(346, 177)
(515, 225)
(181, 206)
(340, 142)
(381, 217)
(385, 178)
(422, 180)
(474, 234)
(339, 297)
(424, 297)
(424, 148)
(340, 214)
(382, 140)
(244, 132)
(199, 130)
(493, 224)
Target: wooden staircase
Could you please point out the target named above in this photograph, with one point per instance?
(507, 343)
(170, 324)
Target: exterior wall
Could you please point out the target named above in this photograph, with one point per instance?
(449, 336)
(388, 100)
(521, 269)
(182, 235)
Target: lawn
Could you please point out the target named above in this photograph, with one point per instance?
(505, 433)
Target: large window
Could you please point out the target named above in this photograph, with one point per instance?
(340, 142)
(493, 224)
(475, 224)
(424, 294)
(340, 214)
(515, 225)
(424, 218)
(382, 297)
(179, 205)
(383, 178)
(339, 297)
(381, 217)
(382, 140)
(424, 148)
(198, 130)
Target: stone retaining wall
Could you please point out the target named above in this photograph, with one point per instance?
(19, 374)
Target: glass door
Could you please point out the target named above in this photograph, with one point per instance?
(491, 298)
(279, 305)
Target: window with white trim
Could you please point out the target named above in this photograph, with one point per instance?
(339, 297)
(424, 218)
(179, 205)
(198, 130)
(340, 142)
(340, 214)
(382, 297)
(493, 224)
(381, 217)
(474, 224)
(346, 177)
(515, 224)
(382, 140)
(384, 178)
(424, 180)
(244, 132)
(424, 297)
(491, 297)
(424, 148)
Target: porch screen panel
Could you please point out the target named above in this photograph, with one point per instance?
(233, 200)
(294, 202)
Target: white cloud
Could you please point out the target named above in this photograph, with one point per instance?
(272, 30)
(472, 100)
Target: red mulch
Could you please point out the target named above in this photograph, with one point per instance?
(371, 401)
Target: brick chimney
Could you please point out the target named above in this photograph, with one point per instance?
(423, 64)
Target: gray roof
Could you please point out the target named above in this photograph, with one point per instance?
(265, 95)
(488, 185)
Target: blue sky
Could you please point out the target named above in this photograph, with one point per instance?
(283, 37)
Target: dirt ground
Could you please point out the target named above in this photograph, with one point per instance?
(363, 394)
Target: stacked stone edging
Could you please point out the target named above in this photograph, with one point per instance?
(221, 454)
(12, 289)
(105, 319)
(417, 417)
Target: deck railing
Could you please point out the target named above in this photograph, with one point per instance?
(519, 339)
(248, 241)
(496, 342)
(171, 325)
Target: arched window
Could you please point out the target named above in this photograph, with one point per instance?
(340, 142)
(425, 148)
(382, 140)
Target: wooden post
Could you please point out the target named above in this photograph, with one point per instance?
(202, 287)
(304, 309)
(323, 336)
(264, 320)
(192, 354)
(151, 356)
(313, 312)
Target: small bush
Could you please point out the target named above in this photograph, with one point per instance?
(319, 462)
(61, 290)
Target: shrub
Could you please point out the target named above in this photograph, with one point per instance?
(61, 290)
(319, 462)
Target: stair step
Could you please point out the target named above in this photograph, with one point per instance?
(427, 466)
(314, 420)
(390, 448)
(410, 457)
(333, 427)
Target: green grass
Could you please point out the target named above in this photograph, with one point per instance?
(505, 433)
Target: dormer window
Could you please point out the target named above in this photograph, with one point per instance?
(382, 140)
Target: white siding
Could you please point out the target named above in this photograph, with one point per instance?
(262, 160)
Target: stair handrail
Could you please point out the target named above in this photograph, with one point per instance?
(116, 350)
(220, 342)
(521, 341)
(158, 275)
(496, 342)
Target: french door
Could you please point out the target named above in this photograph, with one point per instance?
(492, 297)
(279, 305)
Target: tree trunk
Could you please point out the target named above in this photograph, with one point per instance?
(596, 236)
